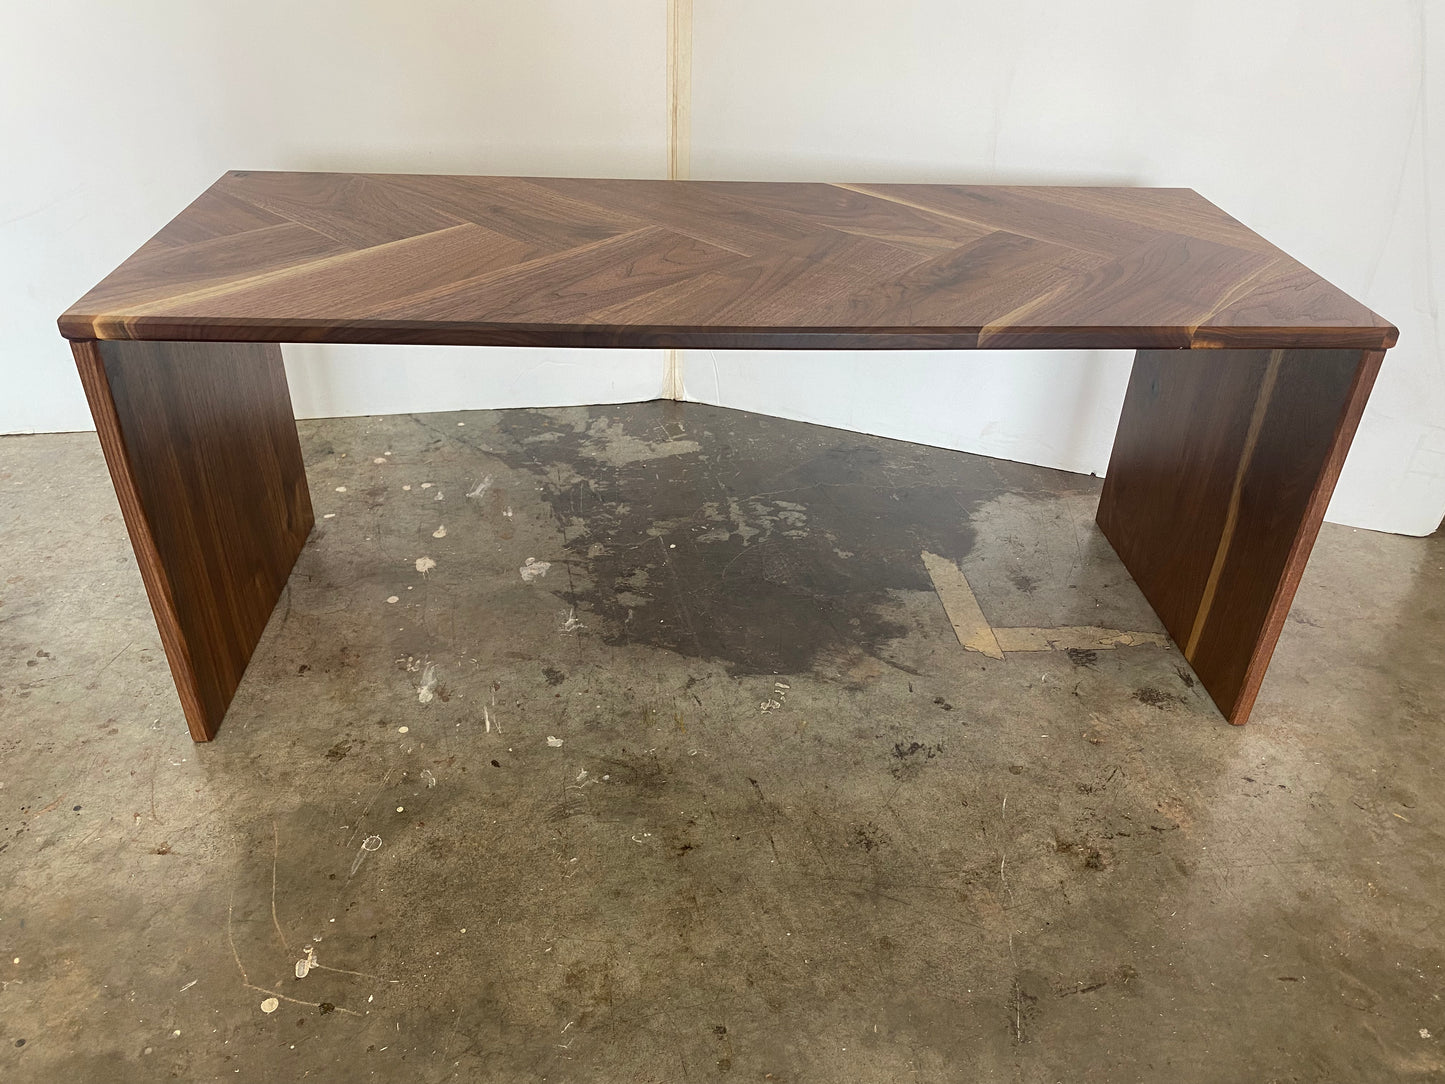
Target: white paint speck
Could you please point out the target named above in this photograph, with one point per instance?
(176, 1034)
(479, 491)
(306, 963)
(426, 692)
(555, 743)
(427, 778)
(1424, 1033)
(401, 809)
(425, 565)
(402, 729)
(508, 512)
(570, 622)
(188, 985)
(341, 489)
(406, 489)
(329, 515)
(427, 485)
(393, 599)
(461, 424)
(379, 459)
(533, 569)
(270, 1005)
(440, 532)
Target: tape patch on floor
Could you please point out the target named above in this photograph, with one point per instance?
(976, 634)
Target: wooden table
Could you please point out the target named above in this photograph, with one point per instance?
(1250, 375)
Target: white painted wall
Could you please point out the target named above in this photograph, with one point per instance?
(114, 116)
(1308, 119)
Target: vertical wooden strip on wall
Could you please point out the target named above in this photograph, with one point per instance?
(679, 88)
(202, 446)
(679, 141)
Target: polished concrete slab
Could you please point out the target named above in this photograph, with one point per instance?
(635, 744)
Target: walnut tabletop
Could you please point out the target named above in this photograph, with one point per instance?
(382, 258)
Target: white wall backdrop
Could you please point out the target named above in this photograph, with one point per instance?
(1307, 119)
(115, 116)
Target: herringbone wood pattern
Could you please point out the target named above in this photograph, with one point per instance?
(332, 257)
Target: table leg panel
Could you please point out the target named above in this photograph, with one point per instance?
(202, 447)
(1221, 471)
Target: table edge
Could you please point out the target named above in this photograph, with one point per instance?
(80, 327)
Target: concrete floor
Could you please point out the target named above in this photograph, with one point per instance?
(717, 795)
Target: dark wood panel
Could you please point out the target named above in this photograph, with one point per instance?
(1294, 302)
(838, 207)
(972, 282)
(202, 447)
(214, 214)
(594, 276)
(324, 257)
(514, 207)
(812, 275)
(1031, 212)
(228, 264)
(413, 266)
(1221, 471)
(1146, 285)
(700, 210)
(351, 209)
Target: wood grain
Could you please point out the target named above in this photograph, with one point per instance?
(1221, 471)
(202, 448)
(328, 257)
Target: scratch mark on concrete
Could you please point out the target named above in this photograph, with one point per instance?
(1078, 637)
(275, 851)
(369, 844)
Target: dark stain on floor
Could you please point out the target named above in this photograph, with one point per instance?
(730, 555)
(1157, 698)
(1023, 582)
